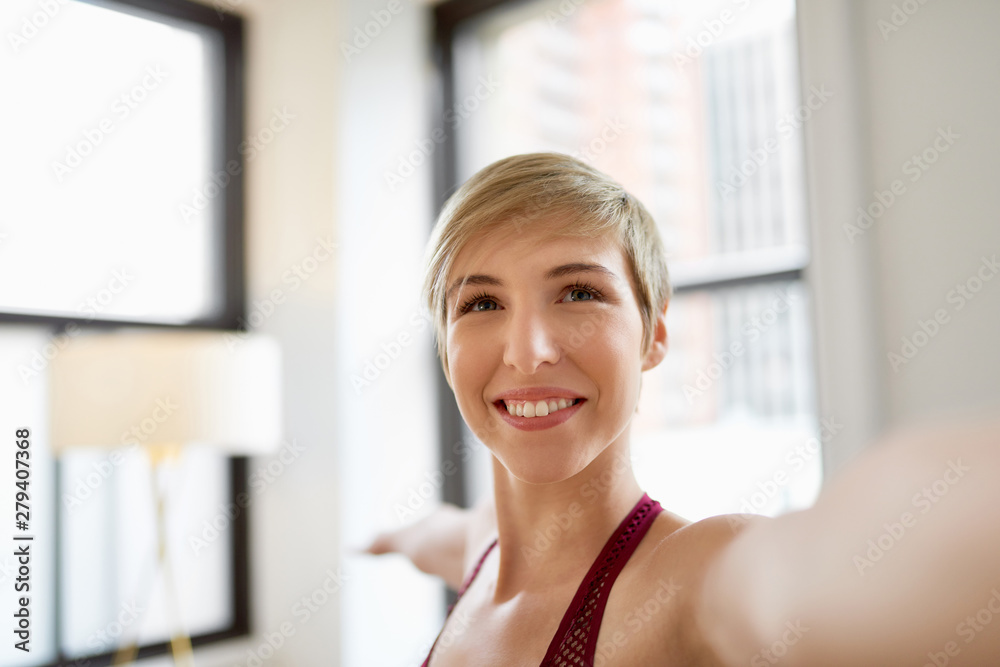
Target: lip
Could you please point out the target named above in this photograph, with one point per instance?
(536, 394)
(537, 423)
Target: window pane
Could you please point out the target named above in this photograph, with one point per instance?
(115, 590)
(730, 409)
(115, 120)
(627, 86)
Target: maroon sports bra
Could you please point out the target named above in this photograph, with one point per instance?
(575, 642)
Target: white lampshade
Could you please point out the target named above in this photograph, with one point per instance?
(175, 388)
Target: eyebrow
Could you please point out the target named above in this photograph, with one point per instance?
(552, 274)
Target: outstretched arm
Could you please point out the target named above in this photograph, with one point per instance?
(442, 542)
(897, 563)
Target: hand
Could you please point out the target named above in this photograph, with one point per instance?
(434, 544)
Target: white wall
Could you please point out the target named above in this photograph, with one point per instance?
(941, 69)
(893, 90)
(388, 426)
(291, 194)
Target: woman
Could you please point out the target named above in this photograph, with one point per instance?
(549, 290)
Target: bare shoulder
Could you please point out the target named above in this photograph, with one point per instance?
(684, 550)
(671, 564)
(696, 539)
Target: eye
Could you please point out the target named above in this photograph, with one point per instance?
(484, 302)
(584, 292)
(473, 303)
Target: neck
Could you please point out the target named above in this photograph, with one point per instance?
(560, 527)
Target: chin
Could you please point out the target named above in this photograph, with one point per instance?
(531, 470)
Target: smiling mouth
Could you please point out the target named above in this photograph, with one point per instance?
(540, 408)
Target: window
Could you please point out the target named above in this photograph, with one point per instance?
(695, 108)
(121, 205)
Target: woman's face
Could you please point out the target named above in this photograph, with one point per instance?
(558, 318)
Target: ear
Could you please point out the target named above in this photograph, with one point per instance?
(658, 348)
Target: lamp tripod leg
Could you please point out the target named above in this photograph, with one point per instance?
(180, 644)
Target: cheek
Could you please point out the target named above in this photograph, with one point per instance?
(615, 357)
(466, 355)
(619, 336)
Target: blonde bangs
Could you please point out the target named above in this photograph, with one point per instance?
(571, 198)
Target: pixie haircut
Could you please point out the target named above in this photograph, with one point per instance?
(568, 197)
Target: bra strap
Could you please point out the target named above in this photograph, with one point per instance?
(575, 643)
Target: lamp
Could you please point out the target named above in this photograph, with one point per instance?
(165, 390)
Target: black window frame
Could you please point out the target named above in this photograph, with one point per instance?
(230, 249)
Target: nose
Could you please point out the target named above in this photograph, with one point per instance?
(531, 340)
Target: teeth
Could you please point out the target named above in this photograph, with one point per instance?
(537, 408)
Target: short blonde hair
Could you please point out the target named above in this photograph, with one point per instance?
(518, 190)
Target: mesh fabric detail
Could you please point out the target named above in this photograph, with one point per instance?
(578, 644)
(575, 642)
